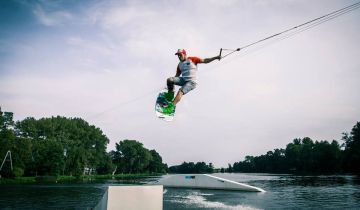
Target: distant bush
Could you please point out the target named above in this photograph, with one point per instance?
(18, 172)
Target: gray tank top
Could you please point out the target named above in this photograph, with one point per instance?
(188, 70)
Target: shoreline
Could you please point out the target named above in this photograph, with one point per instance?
(72, 179)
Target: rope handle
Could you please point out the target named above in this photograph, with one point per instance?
(232, 51)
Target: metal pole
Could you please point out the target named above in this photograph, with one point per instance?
(8, 153)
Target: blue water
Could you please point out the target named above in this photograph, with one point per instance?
(282, 192)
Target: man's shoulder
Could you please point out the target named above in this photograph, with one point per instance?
(195, 59)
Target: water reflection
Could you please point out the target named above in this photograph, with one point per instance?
(312, 181)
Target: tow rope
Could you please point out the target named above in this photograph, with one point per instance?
(300, 28)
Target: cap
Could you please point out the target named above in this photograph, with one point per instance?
(182, 51)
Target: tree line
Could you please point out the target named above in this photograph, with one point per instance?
(308, 156)
(192, 168)
(68, 146)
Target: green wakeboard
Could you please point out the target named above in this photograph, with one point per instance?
(164, 108)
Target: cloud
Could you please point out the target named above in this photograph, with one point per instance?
(142, 29)
(51, 18)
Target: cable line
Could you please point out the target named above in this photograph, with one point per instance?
(299, 28)
(124, 103)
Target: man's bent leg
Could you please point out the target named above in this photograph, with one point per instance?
(187, 87)
(178, 97)
(170, 84)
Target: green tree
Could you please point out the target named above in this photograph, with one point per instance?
(293, 155)
(106, 166)
(352, 149)
(156, 165)
(48, 157)
(191, 167)
(248, 165)
(7, 139)
(327, 157)
(306, 155)
(59, 145)
(302, 155)
(210, 168)
(132, 157)
(83, 145)
(21, 155)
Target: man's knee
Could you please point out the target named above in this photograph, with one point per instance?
(170, 83)
(170, 80)
(189, 86)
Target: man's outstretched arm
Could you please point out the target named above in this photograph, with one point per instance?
(208, 60)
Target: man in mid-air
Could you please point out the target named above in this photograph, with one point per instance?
(185, 76)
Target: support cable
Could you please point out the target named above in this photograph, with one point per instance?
(299, 28)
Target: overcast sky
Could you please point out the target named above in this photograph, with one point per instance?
(105, 61)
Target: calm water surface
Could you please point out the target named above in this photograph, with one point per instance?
(283, 192)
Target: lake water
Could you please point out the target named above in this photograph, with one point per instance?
(282, 192)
